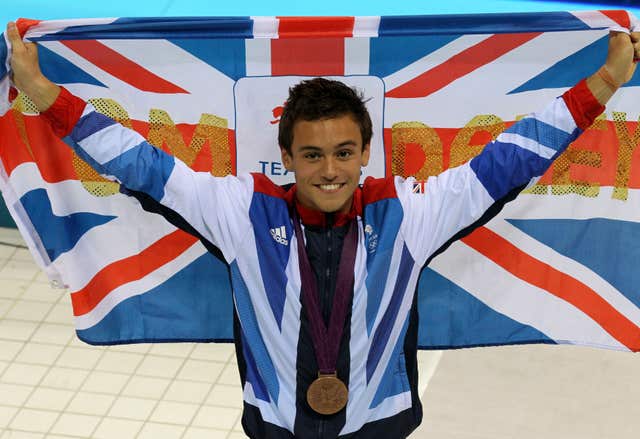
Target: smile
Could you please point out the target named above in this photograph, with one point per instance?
(330, 187)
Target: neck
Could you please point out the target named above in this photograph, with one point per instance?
(313, 217)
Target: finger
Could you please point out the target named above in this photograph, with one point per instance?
(635, 36)
(14, 36)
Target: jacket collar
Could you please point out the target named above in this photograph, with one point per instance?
(312, 217)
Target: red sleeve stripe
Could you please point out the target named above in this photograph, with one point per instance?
(583, 105)
(64, 113)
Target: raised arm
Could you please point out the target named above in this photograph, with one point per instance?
(26, 74)
(215, 207)
(459, 197)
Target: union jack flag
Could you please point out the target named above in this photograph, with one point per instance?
(555, 266)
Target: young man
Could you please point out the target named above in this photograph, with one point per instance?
(327, 323)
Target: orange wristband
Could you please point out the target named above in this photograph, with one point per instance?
(604, 74)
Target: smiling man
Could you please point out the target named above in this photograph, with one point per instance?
(324, 273)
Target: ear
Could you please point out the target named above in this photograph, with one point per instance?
(366, 151)
(287, 160)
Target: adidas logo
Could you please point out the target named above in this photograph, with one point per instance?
(279, 235)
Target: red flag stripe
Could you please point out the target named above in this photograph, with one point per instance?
(460, 65)
(24, 24)
(121, 67)
(305, 27)
(130, 269)
(620, 17)
(307, 57)
(561, 285)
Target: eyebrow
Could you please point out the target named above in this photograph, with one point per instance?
(317, 148)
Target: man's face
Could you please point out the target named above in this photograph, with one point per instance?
(326, 156)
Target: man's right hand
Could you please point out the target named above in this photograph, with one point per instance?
(25, 71)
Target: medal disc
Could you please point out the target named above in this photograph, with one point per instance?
(327, 394)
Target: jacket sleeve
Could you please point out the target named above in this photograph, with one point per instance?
(216, 207)
(450, 202)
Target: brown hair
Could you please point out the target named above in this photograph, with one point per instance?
(321, 98)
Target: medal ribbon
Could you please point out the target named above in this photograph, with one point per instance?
(326, 341)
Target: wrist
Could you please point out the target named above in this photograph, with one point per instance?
(612, 82)
(41, 91)
(616, 74)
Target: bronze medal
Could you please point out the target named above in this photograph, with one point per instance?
(327, 395)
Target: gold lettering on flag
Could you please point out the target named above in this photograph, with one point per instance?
(627, 146)
(464, 148)
(211, 130)
(563, 182)
(416, 134)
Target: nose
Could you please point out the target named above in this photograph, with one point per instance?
(329, 169)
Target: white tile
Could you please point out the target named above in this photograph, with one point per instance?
(53, 334)
(5, 305)
(111, 428)
(229, 375)
(164, 431)
(49, 399)
(205, 433)
(238, 435)
(11, 235)
(224, 395)
(65, 299)
(105, 382)
(3, 366)
(75, 425)
(220, 352)
(174, 412)
(42, 277)
(43, 292)
(39, 353)
(238, 425)
(15, 434)
(216, 417)
(60, 314)
(22, 254)
(136, 348)
(132, 408)
(146, 387)
(187, 391)
(6, 251)
(198, 370)
(82, 358)
(64, 378)
(34, 420)
(88, 403)
(156, 366)
(172, 349)
(17, 329)
(19, 270)
(29, 310)
(14, 394)
(12, 288)
(75, 342)
(6, 414)
(9, 349)
(122, 362)
(20, 373)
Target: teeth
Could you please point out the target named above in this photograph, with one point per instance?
(330, 187)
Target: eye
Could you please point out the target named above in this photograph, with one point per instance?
(344, 153)
(311, 156)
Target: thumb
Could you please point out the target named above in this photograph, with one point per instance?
(14, 37)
